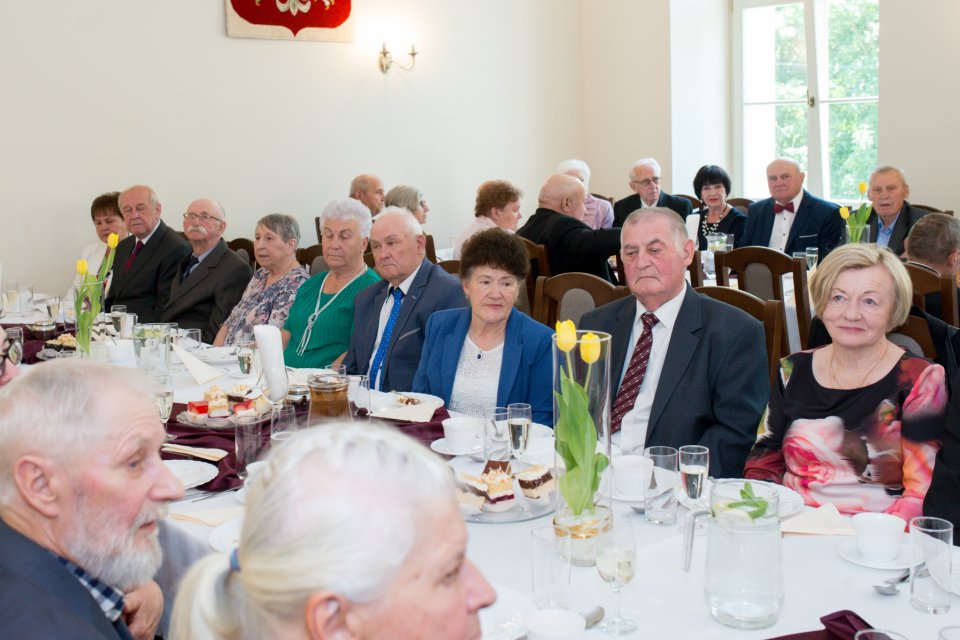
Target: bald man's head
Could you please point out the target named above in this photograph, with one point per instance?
(563, 194)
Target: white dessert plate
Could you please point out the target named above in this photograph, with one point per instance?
(192, 473)
(848, 551)
(217, 355)
(504, 619)
(226, 537)
(384, 401)
(440, 446)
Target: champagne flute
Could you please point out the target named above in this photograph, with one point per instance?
(813, 256)
(519, 417)
(617, 564)
(163, 398)
(117, 312)
(246, 352)
(694, 464)
(53, 307)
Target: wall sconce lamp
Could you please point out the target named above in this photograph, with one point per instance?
(385, 60)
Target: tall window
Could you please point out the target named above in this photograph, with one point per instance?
(806, 76)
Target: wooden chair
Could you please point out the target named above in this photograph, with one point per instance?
(316, 221)
(307, 255)
(450, 266)
(914, 334)
(759, 271)
(368, 258)
(769, 312)
(926, 281)
(926, 207)
(600, 197)
(694, 200)
(244, 247)
(569, 295)
(431, 249)
(740, 203)
(539, 266)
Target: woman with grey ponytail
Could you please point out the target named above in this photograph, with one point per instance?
(350, 531)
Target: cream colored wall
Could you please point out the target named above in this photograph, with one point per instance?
(920, 96)
(116, 92)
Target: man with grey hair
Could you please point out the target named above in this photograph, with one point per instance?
(686, 368)
(645, 176)
(148, 260)
(934, 243)
(368, 189)
(599, 214)
(390, 316)
(82, 490)
(558, 224)
(891, 216)
(211, 281)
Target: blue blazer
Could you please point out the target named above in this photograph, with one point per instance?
(526, 374)
(817, 224)
(432, 289)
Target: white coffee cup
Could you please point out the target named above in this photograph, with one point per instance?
(631, 473)
(461, 433)
(554, 624)
(879, 536)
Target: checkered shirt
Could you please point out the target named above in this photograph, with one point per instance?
(109, 599)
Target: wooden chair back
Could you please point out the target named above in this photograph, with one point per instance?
(307, 255)
(926, 281)
(694, 200)
(600, 197)
(768, 312)
(431, 249)
(368, 258)
(760, 271)
(741, 204)
(914, 334)
(539, 266)
(450, 266)
(569, 295)
(244, 247)
(926, 207)
(316, 221)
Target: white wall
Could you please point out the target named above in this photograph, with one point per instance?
(98, 96)
(920, 96)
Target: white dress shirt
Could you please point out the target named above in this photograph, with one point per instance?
(384, 316)
(782, 223)
(633, 432)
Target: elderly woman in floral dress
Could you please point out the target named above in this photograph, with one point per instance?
(270, 293)
(856, 423)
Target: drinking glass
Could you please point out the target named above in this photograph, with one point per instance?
(800, 255)
(245, 354)
(519, 417)
(26, 298)
(931, 542)
(151, 347)
(11, 291)
(617, 564)
(117, 312)
(660, 496)
(550, 568)
(127, 322)
(358, 394)
(878, 634)
(191, 339)
(53, 307)
(495, 437)
(163, 396)
(283, 423)
(694, 465)
(15, 350)
(813, 256)
(249, 443)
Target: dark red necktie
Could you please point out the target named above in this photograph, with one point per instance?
(133, 254)
(777, 207)
(636, 370)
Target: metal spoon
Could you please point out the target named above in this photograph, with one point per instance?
(890, 588)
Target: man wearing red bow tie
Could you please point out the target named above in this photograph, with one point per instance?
(791, 219)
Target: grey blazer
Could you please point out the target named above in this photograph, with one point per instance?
(208, 295)
(714, 385)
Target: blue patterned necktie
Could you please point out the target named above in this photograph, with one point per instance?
(376, 367)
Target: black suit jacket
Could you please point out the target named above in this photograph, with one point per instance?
(208, 295)
(145, 288)
(817, 224)
(432, 289)
(628, 205)
(901, 228)
(714, 385)
(943, 496)
(572, 245)
(40, 598)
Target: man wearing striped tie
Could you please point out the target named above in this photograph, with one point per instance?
(685, 369)
(390, 316)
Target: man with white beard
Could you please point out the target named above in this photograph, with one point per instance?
(82, 489)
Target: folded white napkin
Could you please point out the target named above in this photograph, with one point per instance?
(823, 521)
(210, 517)
(270, 349)
(202, 372)
(214, 455)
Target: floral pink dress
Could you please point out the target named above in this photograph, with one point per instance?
(867, 449)
(261, 304)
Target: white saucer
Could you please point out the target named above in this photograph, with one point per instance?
(440, 446)
(628, 498)
(848, 551)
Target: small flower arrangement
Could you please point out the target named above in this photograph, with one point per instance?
(857, 222)
(89, 294)
(575, 430)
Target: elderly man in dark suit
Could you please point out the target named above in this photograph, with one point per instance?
(791, 219)
(390, 316)
(211, 281)
(686, 369)
(82, 493)
(148, 260)
(891, 217)
(558, 224)
(645, 176)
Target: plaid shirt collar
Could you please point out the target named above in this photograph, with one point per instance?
(109, 599)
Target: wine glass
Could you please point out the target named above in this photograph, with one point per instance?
(117, 312)
(519, 417)
(617, 564)
(163, 398)
(694, 463)
(53, 307)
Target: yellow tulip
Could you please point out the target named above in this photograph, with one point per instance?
(863, 187)
(590, 348)
(82, 267)
(112, 240)
(566, 335)
(844, 213)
